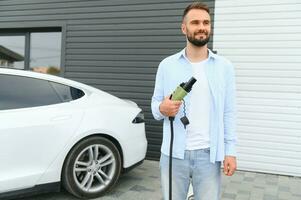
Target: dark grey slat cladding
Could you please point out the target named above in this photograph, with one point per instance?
(113, 45)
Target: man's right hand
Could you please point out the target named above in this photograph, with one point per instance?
(169, 107)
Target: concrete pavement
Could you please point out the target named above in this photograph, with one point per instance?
(143, 183)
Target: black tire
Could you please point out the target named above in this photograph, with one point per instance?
(80, 173)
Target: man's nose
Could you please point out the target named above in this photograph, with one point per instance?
(203, 26)
(202, 29)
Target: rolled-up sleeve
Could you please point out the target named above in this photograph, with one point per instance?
(230, 137)
(158, 94)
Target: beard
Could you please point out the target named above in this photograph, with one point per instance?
(198, 42)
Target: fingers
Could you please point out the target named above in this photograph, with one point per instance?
(228, 171)
(177, 104)
(226, 168)
(169, 107)
(173, 107)
(229, 167)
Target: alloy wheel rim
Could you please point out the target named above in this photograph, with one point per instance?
(94, 168)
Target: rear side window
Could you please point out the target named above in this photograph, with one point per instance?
(23, 92)
(67, 93)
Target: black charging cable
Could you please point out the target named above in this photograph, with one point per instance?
(181, 91)
(171, 119)
(185, 121)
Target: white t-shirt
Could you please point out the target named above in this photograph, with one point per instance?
(198, 112)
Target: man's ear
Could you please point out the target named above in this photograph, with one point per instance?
(183, 28)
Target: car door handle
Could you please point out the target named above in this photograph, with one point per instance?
(61, 118)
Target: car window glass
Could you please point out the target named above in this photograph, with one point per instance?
(23, 92)
(67, 93)
(76, 93)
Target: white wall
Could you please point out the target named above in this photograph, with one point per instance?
(263, 40)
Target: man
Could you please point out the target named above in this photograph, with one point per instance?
(209, 139)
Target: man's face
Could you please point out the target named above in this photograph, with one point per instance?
(197, 27)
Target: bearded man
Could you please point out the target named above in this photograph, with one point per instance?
(209, 139)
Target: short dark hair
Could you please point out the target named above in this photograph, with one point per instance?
(196, 5)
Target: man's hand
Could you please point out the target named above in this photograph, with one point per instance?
(169, 108)
(229, 165)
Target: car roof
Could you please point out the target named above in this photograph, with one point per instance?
(48, 77)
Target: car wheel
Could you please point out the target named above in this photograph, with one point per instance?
(91, 168)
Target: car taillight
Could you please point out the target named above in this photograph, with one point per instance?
(139, 118)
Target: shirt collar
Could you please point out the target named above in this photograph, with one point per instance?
(182, 54)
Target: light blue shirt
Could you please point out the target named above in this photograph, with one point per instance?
(176, 69)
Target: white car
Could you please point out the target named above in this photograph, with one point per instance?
(54, 131)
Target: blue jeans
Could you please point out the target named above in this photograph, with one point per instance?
(197, 168)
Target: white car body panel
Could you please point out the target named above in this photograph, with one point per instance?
(22, 126)
(34, 142)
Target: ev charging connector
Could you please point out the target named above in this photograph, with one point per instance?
(181, 91)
